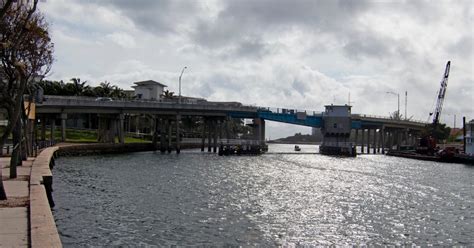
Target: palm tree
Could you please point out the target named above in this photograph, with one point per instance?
(77, 88)
(117, 92)
(105, 88)
(168, 94)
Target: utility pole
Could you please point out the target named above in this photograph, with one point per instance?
(180, 84)
(406, 101)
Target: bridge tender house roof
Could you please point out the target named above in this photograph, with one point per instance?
(148, 83)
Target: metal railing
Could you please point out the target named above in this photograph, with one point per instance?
(290, 111)
(37, 147)
(90, 101)
(388, 118)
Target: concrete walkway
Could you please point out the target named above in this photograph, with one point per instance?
(14, 211)
(26, 219)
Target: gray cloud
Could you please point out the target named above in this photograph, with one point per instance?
(157, 16)
(294, 54)
(300, 87)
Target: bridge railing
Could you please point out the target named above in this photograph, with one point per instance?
(288, 110)
(388, 118)
(48, 99)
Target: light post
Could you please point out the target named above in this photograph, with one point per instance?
(180, 83)
(398, 96)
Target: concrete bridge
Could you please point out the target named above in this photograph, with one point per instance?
(374, 131)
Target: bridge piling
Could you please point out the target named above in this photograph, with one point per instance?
(209, 128)
(383, 139)
(356, 138)
(215, 129)
(178, 145)
(121, 128)
(399, 140)
(43, 127)
(227, 131)
(162, 135)
(374, 144)
(362, 141)
(63, 126)
(52, 127)
(169, 126)
(368, 140)
(203, 133)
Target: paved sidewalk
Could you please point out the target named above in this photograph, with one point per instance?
(14, 211)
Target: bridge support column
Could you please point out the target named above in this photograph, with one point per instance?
(262, 132)
(390, 140)
(170, 129)
(52, 127)
(406, 137)
(383, 140)
(154, 139)
(63, 126)
(203, 136)
(368, 141)
(374, 144)
(121, 128)
(43, 128)
(399, 140)
(162, 135)
(356, 138)
(209, 128)
(107, 128)
(178, 141)
(227, 127)
(362, 141)
(215, 129)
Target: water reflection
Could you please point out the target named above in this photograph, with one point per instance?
(204, 199)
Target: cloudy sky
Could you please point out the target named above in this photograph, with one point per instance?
(279, 53)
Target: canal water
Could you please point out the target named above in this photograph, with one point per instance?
(195, 198)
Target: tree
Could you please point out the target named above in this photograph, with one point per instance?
(438, 131)
(76, 87)
(397, 116)
(25, 53)
(168, 94)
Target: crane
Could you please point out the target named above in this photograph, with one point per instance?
(429, 140)
(441, 94)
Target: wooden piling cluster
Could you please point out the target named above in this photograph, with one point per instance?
(381, 140)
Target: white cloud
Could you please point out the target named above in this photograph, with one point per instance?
(294, 54)
(122, 39)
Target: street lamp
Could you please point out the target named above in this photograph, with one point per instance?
(180, 83)
(398, 96)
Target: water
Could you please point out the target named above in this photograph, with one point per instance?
(195, 198)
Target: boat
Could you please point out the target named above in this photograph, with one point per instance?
(297, 148)
(442, 156)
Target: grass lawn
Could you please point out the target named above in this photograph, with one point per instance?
(85, 136)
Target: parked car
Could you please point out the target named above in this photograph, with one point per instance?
(103, 99)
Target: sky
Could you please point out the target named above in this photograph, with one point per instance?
(299, 54)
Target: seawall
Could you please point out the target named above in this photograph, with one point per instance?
(43, 231)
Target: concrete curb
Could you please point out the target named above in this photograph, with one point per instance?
(42, 225)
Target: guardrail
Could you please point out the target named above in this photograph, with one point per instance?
(91, 101)
(289, 111)
(388, 118)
